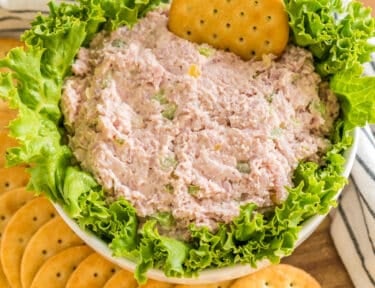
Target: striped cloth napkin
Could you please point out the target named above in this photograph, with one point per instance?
(353, 222)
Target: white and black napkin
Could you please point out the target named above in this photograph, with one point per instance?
(353, 221)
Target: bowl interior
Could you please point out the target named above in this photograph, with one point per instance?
(209, 275)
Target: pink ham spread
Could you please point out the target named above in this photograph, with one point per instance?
(192, 132)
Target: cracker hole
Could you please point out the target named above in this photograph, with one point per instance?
(253, 53)
(6, 184)
(256, 3)
(266, 283)
(228, 25)
(52, 215)
(2, 217)
(242, 13)
(58, 275)
(227, 49)
(201, 21)
(241, 39)
(95, 275)
(74, 268)
(35, 218)
(267, 42)
(59, 241)
(254, 28)
(20, 240)
(268, 18)
(113, 270)
(44, 252)
(215, 11)
(214, 36)
(188, 32)
(291, 284)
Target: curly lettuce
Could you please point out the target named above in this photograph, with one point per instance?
(336, 34)
(338, 37)
(34, 86)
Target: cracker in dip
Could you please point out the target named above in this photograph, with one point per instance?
(188, 134)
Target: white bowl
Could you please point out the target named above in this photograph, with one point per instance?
(209, 275)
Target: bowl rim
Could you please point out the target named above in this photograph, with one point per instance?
(209, 275)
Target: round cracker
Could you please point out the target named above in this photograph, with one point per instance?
(277, 276)
(7, 44)
(59, 267)
(3, 104)
(225, 284)
(122, 279)
(92, 272)
(13, 178)
(50, 239)
(19, 230)
(6, 142)
(156, 284)
(3, 281)
(6, 115)
(10, 202)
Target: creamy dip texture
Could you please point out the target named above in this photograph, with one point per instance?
(184, 130)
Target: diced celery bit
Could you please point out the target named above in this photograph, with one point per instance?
(318, 106)
(193, 189)
(169, 108)
(276, 132)
(165, 219)
(168, 162)
(160, 97)
(243, 167)
(118, 43)
(169, 111)
(206, 51)
(169, 188)
(120, 141)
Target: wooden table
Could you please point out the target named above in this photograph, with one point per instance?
(318, 256)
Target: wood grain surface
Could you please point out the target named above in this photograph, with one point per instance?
(318, 256)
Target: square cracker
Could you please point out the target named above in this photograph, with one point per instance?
(247, 28)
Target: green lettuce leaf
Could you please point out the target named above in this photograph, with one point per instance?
(338, 37)
(161, 252)
(357, 95)
(336, 34)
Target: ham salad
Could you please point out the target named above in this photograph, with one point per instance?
(184, 130)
